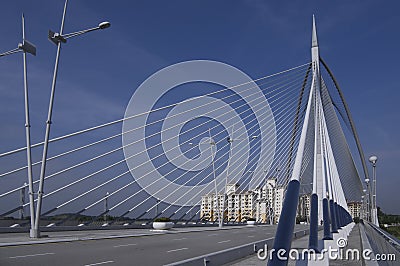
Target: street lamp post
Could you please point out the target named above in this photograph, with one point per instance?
(230, 141)
(106, 207)
(56, 38)
(273, 204)
(212, 143)
(373, 159)
(157, 203)
(362, 208)
(26, 47)
(365, 198)
(368, 200)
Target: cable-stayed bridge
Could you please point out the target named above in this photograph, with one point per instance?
(190, 132)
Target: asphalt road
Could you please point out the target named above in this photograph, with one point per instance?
(140, 250)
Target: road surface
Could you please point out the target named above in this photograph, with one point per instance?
(140, 250)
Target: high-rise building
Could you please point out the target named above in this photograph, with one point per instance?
(212, 207)
(303, 208)
(206, 209)
(231, 189)
(354, 208)
(266, 201)
(263, 204)
(279, 197)
(219, 207)
(233, 203)
(233, 206)
(247, 205)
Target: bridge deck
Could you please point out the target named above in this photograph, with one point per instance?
(15, 239)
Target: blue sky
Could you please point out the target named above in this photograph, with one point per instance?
(100, 71)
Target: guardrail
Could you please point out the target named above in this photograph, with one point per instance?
(386, 248)
(24, 229)
(392, 240)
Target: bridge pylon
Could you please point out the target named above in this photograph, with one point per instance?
(328, 204)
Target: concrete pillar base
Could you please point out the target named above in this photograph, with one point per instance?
(34, 233)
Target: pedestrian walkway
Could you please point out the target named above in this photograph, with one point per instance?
(354, 243)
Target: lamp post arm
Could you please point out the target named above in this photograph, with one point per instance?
(77, 33)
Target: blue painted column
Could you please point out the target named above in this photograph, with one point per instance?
(343, 215)
(313, 239)
(327, 220)
(333, 216)
(339, 220)
(284, 232)
(349, 217)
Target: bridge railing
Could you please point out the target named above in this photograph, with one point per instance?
(385, 247)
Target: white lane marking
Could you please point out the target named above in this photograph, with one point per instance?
(213, 235)
(238, 232)
(125, 245)
(220, 242)
(177, 239)
(33, 255)
(179, 249)
(100, 263)
(250, 236)
(72, 235)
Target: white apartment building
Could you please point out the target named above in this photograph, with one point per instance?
(263, 211)
(354, 208)
(206, 209)
(247, 205)
(266, 201)
(219, 206)
(233, 203)
(235, 206)
(231, 189)
(212, 207)
(303, 208)
(280, 194)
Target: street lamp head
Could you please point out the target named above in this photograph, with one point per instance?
(367, 181)
(373, 159)
(104, 25)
